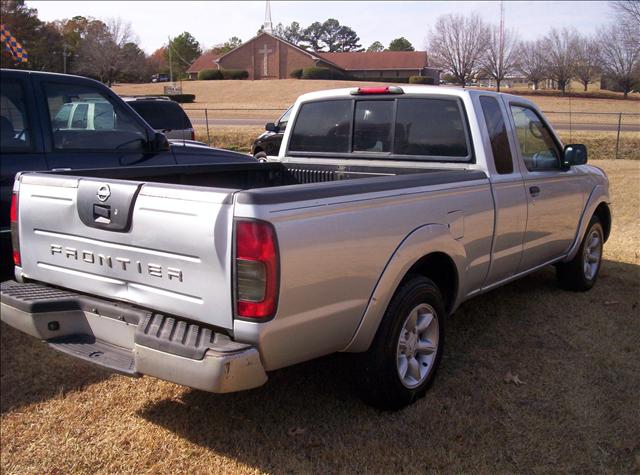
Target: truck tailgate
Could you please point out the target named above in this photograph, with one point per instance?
(163, 247)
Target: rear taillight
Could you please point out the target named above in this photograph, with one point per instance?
(193, 135)
(256, 270)
(15, 238)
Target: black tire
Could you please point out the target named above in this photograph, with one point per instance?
(572, 275)
(381, 383)
(260, 156)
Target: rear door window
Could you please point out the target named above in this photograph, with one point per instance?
(96, 123)
(497, 134)
(372, 126)
(323, 127)
(431, 127)
(15, 135)
(162, 115)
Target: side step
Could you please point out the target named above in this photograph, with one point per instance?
(86, 347)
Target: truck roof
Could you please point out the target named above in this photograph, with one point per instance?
(410, 89)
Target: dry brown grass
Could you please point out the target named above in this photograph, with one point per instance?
(578, 412)
(281, 94)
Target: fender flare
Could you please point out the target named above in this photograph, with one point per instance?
(420, 242)
(598, 196)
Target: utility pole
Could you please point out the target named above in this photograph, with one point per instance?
(170, 61)
(500, 70)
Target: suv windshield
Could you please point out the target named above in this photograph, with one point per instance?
(162, 115)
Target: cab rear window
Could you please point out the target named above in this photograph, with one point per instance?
(162, 115)
(407, 128)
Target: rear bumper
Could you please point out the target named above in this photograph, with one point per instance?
(130, 340)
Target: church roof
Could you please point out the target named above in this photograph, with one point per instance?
(206, 61)
(363, 61)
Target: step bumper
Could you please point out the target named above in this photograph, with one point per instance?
(130, 340)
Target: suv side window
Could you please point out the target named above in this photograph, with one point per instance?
(538, 148)
(96, 122)
(497, 134)
(15, 135)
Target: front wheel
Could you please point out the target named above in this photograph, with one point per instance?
(405, 354)
(581, 272)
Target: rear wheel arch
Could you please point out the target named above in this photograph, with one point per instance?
(604, 215)
(440, 268)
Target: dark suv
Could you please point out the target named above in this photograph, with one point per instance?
(53, 121)
(268, 143)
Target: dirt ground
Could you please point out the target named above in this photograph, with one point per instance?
(577, 409)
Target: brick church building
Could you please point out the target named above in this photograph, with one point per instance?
(268, 57)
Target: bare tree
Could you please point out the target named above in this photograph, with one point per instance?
(101, 53)
(501, 58)
(560, 49)
(620, 55)
(628, 11)
(457, 44)
(587, 60)
(532, 62)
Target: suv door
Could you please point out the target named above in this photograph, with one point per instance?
(99, 131)
(20, 146)
(554, 195)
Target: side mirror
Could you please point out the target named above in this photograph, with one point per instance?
(574, 154)
(159, 143)
(270, 127)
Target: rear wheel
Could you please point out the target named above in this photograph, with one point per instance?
(581, 272)
(404, 356)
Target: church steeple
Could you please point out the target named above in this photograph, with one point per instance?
(267, 27)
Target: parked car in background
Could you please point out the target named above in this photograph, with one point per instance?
(164, 115)
(161, 77)
(268, 143)
(53, 121)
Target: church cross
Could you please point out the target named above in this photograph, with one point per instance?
(265, 51)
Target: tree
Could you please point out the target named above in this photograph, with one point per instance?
(501, 58)
(560, 47)
(532, 62)
(293, 33)
(401, 44)
(184, 49)
(587, 61)
(628, 11)
(312, 35)
(331, 36)
(620, 55)
(42, 41)
(458, 43)
(157, 62)
(102, 53)
(375, 47)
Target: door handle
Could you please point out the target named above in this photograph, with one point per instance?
(534, 191)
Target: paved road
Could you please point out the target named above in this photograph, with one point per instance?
(556, 125)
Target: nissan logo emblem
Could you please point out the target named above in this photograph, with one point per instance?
(104, 192)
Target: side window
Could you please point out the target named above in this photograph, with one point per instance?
(82, 118)
(283, 121)
(322, 127)
(372, 127)
(15, 135)
(432, 127)
(539, 150)
(497, 134)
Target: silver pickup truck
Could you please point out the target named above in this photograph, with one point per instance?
(386, 209)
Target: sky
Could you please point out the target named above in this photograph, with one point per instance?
(212, 22)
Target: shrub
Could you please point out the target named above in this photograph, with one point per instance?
(209, 74)
(317, 73)
(235, 74)
(296, 73)
(182, 98)
(420, 80)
